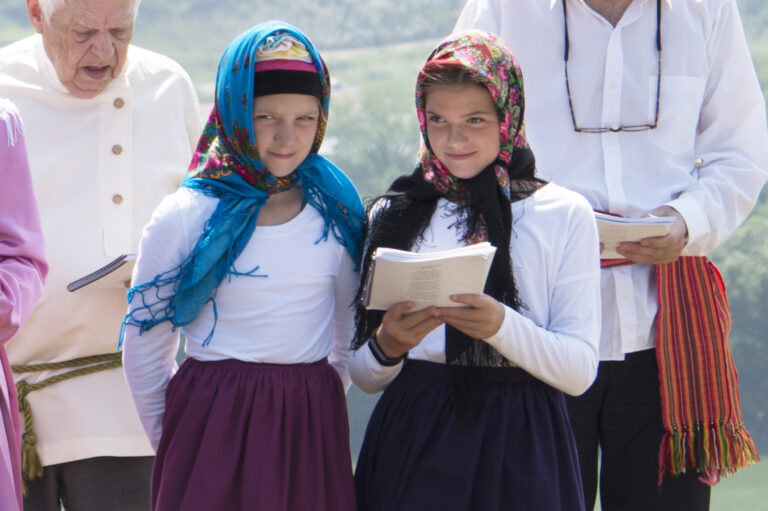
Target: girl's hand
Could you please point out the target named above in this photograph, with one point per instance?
(480, 320)
(400, 331)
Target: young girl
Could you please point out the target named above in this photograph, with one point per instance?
(473, 415)
(255, 256)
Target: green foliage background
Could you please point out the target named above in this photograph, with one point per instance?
(744, 262)
(374, 49)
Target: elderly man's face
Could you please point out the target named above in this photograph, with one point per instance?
(87, 41)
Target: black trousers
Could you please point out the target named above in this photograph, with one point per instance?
(620, 415)
(93, 484)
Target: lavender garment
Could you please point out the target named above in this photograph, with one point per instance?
(22, 273)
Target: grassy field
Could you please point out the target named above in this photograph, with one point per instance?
(747, 490)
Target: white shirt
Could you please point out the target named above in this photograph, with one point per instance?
(99, 167)
(554, 252)
(296, 309)
(707, 158)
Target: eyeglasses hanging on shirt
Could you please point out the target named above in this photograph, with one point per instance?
(620, 127)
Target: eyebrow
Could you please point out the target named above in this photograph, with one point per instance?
(268, 111)
(470, 114)
(120, 18)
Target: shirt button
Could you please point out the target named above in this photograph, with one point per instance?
(117, 198)
(117, 149)
(118, 102)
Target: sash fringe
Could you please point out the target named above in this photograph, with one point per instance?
(721, 449)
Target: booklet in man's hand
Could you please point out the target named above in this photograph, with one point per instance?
(426, 278)
(615, 229)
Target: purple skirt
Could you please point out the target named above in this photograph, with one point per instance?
(515, 453)
(239, 435)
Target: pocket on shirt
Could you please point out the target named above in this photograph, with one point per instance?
(679, 109)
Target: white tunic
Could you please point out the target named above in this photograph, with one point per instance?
(295, 308)
(99, 167)
(554, 251)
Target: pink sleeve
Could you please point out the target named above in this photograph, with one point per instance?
(22, 259)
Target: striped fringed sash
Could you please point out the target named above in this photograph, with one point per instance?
(699, 384)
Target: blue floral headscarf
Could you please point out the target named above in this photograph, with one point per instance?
(226, 165)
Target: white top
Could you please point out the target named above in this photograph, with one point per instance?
(296, 309)
(99, 167)
(554, 251)
(707, 158)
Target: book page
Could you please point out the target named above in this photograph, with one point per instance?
(428, 278)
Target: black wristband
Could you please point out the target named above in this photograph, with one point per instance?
(381, 357)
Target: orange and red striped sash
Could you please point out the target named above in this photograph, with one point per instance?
(699, 383)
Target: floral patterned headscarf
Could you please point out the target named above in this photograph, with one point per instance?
(487, 58)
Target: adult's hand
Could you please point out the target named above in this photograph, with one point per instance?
(400, 330)
(659, 249)
(481, 319)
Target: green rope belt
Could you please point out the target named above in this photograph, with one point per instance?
(31, 467)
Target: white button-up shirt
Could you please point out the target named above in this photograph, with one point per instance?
(707, 158)
(99, 167)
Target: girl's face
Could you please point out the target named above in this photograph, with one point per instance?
(462, 128)
(284, 126)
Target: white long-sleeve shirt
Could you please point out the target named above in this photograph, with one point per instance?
(554, 252)
(707, 158)
(296, 309)
(99, 167)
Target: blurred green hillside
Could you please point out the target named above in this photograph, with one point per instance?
(195, 32)
(374, 49)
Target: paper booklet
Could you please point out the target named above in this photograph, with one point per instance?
(426, 278)
(615, 229)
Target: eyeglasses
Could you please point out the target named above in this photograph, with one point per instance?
(620, 127)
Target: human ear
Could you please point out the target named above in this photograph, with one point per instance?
(35, 15)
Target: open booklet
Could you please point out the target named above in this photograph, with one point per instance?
(426, 278)
(615, 229)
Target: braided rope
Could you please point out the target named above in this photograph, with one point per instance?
(31, 466)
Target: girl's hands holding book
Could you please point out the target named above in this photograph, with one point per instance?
(480, 320)
(400, 330)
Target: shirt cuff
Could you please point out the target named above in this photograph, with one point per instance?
(498, 337)
(695, 221)
(368, 374)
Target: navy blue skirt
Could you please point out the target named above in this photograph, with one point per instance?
(239, 435)
(516, 453)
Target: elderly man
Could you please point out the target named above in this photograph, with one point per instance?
(22, 272)
(110, 131)
(649, 106)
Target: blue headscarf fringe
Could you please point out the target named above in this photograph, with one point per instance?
(190, 277)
